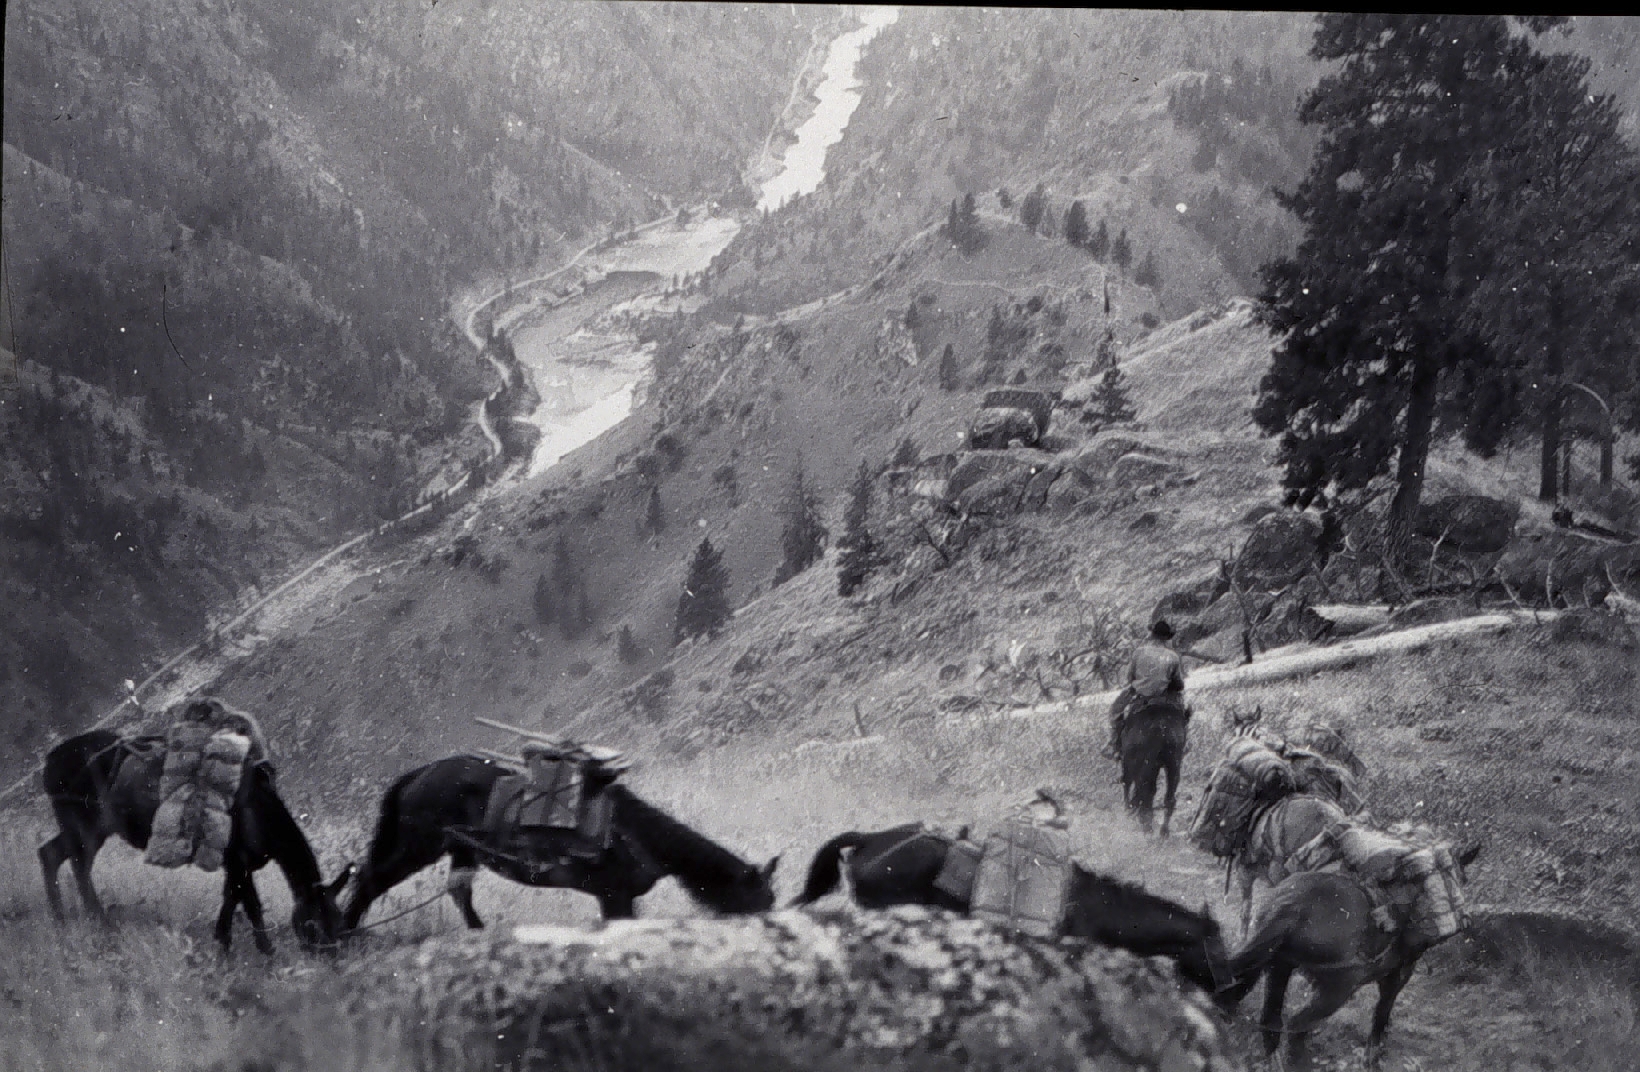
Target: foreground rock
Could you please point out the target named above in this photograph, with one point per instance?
(798, 989)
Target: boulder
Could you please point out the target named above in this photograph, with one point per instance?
(1352, 578)
(1006, 465)
(1040, 485)
(1475, 523)
(1136, 469)
(907, 987)
(1560, 567)
(1281, 547)
(1184, 606)
(1104, 449)
(1073, 488)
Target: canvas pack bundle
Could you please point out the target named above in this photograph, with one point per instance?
(1412, 871)
(1023, 879)
(1250, 774)
(198, 783)
(956, 877)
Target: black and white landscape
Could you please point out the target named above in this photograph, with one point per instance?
(816, 405)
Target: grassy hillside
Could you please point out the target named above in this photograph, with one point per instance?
(914, 698)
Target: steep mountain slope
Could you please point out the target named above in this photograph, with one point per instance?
(231, 231)
(1091, 105)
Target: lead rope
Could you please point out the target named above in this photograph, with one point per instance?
(400, 915)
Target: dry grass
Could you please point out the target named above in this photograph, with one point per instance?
(1522, 711)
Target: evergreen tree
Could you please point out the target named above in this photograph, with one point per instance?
(1031, 209)
(1370, 311)
(703, 606)
(1147, 274)
(1121, 250)
(1557, 206)
(1076, 224)
(962, 226)
(1099, 242)
(545, 607)
(803, 535)
(950, 373)
(857, 551)
(653, 522)
(626, 645)
(1109, 404)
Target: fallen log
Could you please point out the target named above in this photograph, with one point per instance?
(1344, 619)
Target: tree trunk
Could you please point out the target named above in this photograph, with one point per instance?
(1553, 369)
(1415, 440)
(1549, 467)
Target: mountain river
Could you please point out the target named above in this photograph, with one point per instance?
(588, 381)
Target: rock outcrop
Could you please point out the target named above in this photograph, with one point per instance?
(1281, 547)
(1474, 523)
(798, 989)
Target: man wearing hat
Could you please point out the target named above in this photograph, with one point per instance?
(1156, 671)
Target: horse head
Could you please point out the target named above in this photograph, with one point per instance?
(752, 891)
(317, 916)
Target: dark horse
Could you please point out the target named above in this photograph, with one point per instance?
(1320, 924)
(1153, 741)
(438, 810)
(102, 785)
(899, 866)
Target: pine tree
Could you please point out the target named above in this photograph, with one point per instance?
(857, 551)
(803, 535)
(545, 607)
(1556, 207)
(1109, 404)
(1147, 274)
(1370, 310)
(653, 522)
(1099, 242)
(703, 605)
(1076, 225)
(1121, 250)
(1031, 209)
(626, 645)
(950, 373)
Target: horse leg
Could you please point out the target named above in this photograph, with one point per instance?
(253, 911)
(52, 855)
(1245, 877)
(617, 905)
(1275, 996)
(1144, 796)
(1331, 993)
(1389, 988)
(463, 870)
(82, 853)
(239, 891)
(1172, 770)
(224, 918)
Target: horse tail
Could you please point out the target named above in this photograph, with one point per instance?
(1269, 934)
(827, 869)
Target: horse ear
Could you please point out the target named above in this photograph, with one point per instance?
(768, 868)
(340, 883)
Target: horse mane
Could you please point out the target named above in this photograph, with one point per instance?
(286, 844)
(674, 843)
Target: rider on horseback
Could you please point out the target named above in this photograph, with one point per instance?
(1155, 674)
